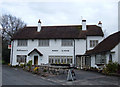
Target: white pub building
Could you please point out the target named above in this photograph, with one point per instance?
(55, 44)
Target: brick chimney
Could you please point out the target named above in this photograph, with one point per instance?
(83, 24)
(39, 26)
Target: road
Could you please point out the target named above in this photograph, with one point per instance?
(17, 76)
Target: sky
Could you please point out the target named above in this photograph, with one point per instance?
(64, 12)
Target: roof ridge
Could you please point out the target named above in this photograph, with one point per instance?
(60, 25)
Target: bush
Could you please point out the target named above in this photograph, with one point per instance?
(21, 65)
(44, 70)
(111, 67)
(118, 69)
(29, 63)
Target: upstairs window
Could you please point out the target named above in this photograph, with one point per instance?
(22, 43)
(93, 43)
(43, 43)
(67, 42)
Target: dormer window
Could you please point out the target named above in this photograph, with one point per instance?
(93, 43)
(22, 43)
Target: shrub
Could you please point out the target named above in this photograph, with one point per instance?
(21, 65)
(111, 67)
(44, 70)
(118, 69)
(29, 63)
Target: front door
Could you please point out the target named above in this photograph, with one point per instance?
(35, 60)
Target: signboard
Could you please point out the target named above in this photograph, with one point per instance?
(9, 46)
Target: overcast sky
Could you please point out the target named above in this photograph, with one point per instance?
(64, 12)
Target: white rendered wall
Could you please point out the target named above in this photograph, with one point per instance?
(119, 53)
(99, 38)
(116, 54)
(93, 61)
(80, 46)
(46, 51)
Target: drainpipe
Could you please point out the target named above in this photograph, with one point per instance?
(74, 54)
(12, 53)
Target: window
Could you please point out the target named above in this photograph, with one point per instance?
(22, 43)
(100, 59)
(60, 59)
(110, 57)
(21, 58)
(67, 42)
(93, 43)
(43, 42)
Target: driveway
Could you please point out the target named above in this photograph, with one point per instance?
(87, 78)
(17, 76)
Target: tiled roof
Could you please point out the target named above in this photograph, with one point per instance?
(58, 32)
(107, 44)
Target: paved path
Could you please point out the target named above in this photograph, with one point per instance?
(16, 76)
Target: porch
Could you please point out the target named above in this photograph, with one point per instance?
(83, 61)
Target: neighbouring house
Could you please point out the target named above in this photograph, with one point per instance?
(55, 44)
(107, 50)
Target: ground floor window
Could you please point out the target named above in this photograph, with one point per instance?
(100, 59)
(110, 57)
(60, 59)
(21, 58)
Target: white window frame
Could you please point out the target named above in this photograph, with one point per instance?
(93, 43)
(66, 42)
(100, 59)
(43, 43)
(22, 42)
(60, 59)
(21, 58)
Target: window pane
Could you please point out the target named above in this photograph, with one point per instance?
(21, 58)
(67, 42)
(93, 43)
(22, 43)
(43, 42)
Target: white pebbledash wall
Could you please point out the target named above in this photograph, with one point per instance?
(54, 44)
(99, 38)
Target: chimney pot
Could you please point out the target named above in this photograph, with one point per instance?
(83, 24)
(39, 21)
(100, 24)
(39, 26)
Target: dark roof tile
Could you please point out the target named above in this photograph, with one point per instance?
(58, 32)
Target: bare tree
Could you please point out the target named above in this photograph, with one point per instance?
(10, 24)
